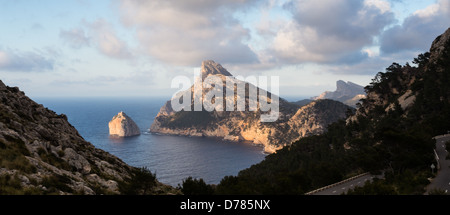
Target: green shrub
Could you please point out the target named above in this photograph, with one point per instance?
(12, 155)
(437, 192)
(10, 185)
(57, 182)
(192, 186)
(53, 160)
(142, 182)
(376, 187)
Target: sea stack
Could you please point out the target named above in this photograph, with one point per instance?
(122, 125)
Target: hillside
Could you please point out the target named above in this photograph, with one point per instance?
(391, 132)
(292, 123)
(42, 153)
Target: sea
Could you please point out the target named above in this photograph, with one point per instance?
(172, 158)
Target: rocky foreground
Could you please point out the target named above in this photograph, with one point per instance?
(42, 153)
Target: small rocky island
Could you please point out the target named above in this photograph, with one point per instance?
(122, 125)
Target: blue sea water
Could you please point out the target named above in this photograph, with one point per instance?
(173, 158)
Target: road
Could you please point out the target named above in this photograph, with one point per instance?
(344, 187)
(442, 179)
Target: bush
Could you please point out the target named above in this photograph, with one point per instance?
(9, 185)
(192, 186)
(142, 182)
(376, 187)
(437, 192)
(53, 160)
(12, 155)
(57, 182)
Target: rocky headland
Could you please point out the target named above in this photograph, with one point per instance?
(293, 122)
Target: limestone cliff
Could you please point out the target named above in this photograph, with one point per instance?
(122, 125)
(293, 122)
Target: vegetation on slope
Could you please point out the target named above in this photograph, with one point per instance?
(381, 136)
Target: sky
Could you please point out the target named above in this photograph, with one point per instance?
(134, 48)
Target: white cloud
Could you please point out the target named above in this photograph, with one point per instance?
(383, 6)
(187, 32)
(331, 31)
(289, 44)
(16, 61)
(107, 42)
(4, 59)
(76, 38)
(418, 30)
(98, 34)
(428, 11)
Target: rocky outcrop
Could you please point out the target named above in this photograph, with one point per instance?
(293, 122)
(42, 153)
(209, 67)
(438, 47)
(122, 125)
(401, 86)
(346, 92)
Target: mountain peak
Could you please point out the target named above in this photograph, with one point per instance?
(209, 67)
(349, 86)
(243, 124)
(347, 92)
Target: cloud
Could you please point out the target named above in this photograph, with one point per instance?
(100, 35)
(135, 78)
(184, 33)
(330, 31)
(16, 61)
(418, 30)
(76, 38)
(106, 40)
